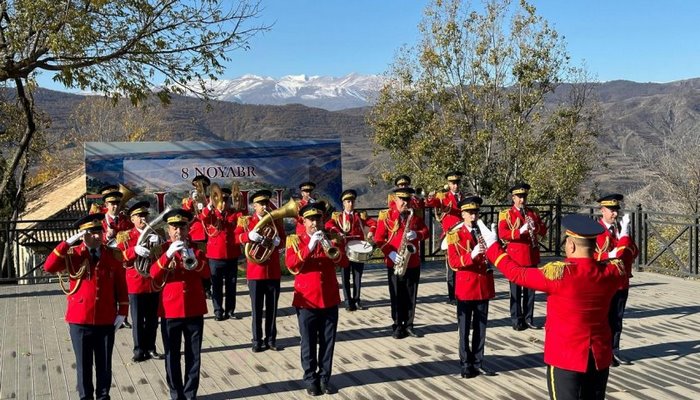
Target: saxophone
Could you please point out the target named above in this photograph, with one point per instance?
(405, 248)
(530, 230)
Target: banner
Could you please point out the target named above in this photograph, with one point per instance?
(162, 172)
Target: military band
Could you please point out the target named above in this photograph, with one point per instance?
(587, 292)
(520, 227)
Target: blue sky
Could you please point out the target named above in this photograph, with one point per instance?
(640, 40)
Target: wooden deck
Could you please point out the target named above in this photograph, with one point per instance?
(661, 333)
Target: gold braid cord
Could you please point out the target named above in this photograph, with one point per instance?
(554, 270)
(293, 242)
(78, 276)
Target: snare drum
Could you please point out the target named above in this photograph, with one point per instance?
(359, 251)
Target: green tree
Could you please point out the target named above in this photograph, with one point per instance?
(120, 48)
(477, 94)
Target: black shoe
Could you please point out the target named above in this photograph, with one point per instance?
(399, 333)
(231, 315)
(532, 326)
(257, 348)
(313, 390)
(485, 371)
(155, 355)
(273, 346)
(614, 362)
(139, 358)
(326, 388)
(359, 305)
(413, 333)
(219, 317)
(125, 324)
(620, 360)
(519, 327)
(469, 373)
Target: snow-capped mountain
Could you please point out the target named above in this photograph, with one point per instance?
(325, 92)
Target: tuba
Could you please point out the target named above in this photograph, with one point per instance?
(127, 195)
(143, 264)
(259, 252)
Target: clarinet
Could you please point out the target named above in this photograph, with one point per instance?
(530, 230)
(482, 242)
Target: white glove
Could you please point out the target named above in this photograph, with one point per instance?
(119, 321)
(276, 241)
(315, 238)
(71, 240)
(411, 235)
(486, 233)
(624, 226)
(142, 251)
(398, 259)
(392, 256)
(153, 238)
(200, 206)
(612, 253)
(210, 206)
(174, 248)
(194, 195)
(524, 228)
(255, 236)
(476, 251)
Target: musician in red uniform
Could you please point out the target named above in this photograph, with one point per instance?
(97, 302)
(577, 344)
(351, 225)
(195, 203)
(180, 270)
(446, 206)
(307, 196)
(223, 253)
(521, 240)
(263, 276)
(96, 208)
(144, 296)
(474, 287)
(403, 181)
(615, 243)
(316, 298)
(392, 231)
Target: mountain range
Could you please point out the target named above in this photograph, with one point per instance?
(633, 116)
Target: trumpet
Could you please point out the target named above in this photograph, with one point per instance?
(189, 261)
(331, 251)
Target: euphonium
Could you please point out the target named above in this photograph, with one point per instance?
(217, 196)
(236, 197)
(406, 248)
(143, 264)
(127, 195)
(259, 252)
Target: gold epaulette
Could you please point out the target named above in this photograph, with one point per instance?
(383, 215)
(122, 237)
(293, 241)
(117, 254)
(363, 215)
(94, 208)
(440, 195)
(184, 200)
(553, 270)
(336, 216)
(452, 237)
(502, 215)
(243, 221)
(390, 198)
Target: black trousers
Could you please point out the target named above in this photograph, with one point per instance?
(264, 293)
(472, 315)
(570, 385)
(224, 276)
(356, 270)
(173, 331)
(93, 342)
(317, 328)
(450, 278)
(144, 313)
(615, 314)
(522, 304)
(403, 293)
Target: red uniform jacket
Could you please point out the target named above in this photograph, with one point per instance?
(390, 227)
(271, 268)
(626, 251)
(122, 224)
(221, 244)
(183, 292)
(354, 222)
(449, 202)
(135, 282)
(315, 283)
(518, 246)
(472, 281)
(101, 292)
(577, 307)
(197, 232)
